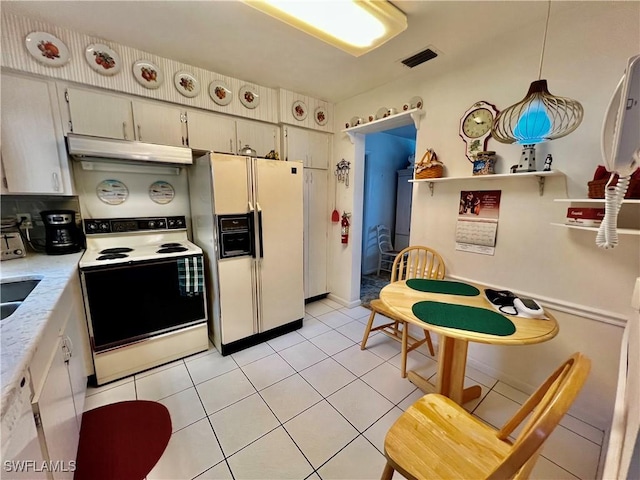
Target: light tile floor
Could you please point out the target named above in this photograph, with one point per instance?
(311, 404)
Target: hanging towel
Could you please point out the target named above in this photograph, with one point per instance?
(191, 276)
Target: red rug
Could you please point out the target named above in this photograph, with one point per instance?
(122, 440)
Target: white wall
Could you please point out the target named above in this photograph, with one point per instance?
(587, 48)
(138, 203)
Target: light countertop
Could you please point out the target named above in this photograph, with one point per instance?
(21, 332)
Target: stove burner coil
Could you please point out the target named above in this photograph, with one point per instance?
(169, 245)
(117, 250)
(112, 256)
(172, 249)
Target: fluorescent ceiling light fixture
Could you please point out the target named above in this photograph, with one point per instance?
(355, 26)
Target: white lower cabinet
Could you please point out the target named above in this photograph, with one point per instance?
(23, 452)
(316, 221)
(49, 428)
(55, 413)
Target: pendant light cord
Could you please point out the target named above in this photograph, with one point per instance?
(544, 39)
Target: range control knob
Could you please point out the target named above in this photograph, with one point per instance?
(152, 224)
(18, 252)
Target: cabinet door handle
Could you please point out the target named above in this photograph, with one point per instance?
(231, 145)
(124, 130)
(56, 182)
(139, 133)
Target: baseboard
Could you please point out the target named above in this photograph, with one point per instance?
(344, 302)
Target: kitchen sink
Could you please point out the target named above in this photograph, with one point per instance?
(12, 294)
(7, 309)
(16, 291)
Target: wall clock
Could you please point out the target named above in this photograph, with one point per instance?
(475, 127)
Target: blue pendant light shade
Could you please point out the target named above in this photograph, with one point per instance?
(537, 118)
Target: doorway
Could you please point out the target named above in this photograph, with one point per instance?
(386, 201)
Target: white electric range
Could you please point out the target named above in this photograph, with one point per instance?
(144, 293)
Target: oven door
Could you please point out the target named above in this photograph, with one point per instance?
(128, 303)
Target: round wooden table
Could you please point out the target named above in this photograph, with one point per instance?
(452, 350)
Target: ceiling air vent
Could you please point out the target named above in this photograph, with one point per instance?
(420, 57)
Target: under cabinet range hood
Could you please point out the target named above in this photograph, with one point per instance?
(83, 147)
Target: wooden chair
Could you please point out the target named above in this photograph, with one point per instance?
(437, 438)
(412, 262)
(386, 252)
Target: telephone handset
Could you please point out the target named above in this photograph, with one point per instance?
(503, 298)
(620, 148)
(510, 304)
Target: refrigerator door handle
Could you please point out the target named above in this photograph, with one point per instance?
(260, 230)
(255, 298)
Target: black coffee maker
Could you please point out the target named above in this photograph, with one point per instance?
(62, 233)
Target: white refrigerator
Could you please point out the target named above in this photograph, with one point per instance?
(247, 216)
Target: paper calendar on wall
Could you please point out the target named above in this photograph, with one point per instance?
(477, 225)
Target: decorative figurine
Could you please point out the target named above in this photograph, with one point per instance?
(547, 163)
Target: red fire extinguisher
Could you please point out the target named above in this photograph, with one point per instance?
(345, 227)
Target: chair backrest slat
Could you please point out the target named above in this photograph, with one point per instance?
(417, 262)
(384, 239)
(544, 410)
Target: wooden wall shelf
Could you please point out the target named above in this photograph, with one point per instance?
(401, 119)
(498, 176)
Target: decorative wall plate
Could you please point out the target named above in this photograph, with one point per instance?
(220, 92)
(147, 74)
(161, 192)
(186, 84)
(248, 96)
(381, 113)
(320, 116)
(112, 192)
(102, 59)
(47, 49)
(415, 102)
(299, 110)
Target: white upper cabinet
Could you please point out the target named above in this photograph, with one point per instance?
(211, 132)
(100, 115)
(223, 134)
(114, 116)
(160, 123)
(310, 147)
(33, 152)
(262, 137)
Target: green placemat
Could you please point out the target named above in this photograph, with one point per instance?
(464, 318)
(443, 286)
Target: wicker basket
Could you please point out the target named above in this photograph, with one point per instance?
(435, 171)
(429, 166)
(596, 188)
